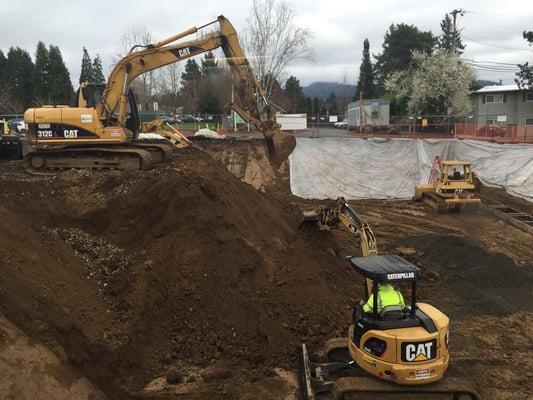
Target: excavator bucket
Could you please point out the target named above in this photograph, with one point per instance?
(280, 145)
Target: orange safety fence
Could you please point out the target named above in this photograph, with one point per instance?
(494, 133)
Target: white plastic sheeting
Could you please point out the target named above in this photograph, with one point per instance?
(391, 168)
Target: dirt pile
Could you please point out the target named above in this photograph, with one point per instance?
(179, 266)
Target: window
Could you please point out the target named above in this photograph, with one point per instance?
(494, 98)
(529, 97)
(529, 120)
(490, 121)
(375, 114)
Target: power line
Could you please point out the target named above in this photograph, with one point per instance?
(498, 15)
(495, 45)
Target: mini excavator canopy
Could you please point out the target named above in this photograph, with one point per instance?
(387, 269)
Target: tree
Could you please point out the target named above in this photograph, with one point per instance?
(434, 84)
(209, 64)
(86, 74)
(400, 42)
(365, 83)
(331, 104)
(6, 102)
(97, 70)
(144, 85)
(295, 95)
(60, 85)
(525, 76)
(273, 40)
(450, 39)
(41, 70)
(190, 85)
(19, 69)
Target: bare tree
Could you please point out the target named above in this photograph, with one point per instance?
(144, 86)
(168, 86)
(272, 41)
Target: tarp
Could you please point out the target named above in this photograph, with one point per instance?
(356, 168)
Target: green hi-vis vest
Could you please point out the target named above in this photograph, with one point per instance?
(387, 296)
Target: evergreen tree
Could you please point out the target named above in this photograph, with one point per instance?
(192, 72)
(308, 105)
(295, 95)
(97, 70)
(61, 90)
(398, 45)
(86, 74)
(525, 76)
(209, 64)
(3, 62)
(18, 72)
(365, 83)
(331, 104)
(190, 85)
(450, 40)
(41, 69)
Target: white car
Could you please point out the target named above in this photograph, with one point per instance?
(341, 124)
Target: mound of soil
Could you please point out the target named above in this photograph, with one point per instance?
(180, 266)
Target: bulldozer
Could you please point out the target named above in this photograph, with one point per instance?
(450, 186)
(389, 353)
(102, 130)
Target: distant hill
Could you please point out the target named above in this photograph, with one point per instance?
(323, 89)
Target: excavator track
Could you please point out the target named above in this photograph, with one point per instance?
(161, 150)
(435, 201)
(354, 383)
(128, 158)
(366, 388)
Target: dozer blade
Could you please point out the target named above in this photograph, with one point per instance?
(366, 388)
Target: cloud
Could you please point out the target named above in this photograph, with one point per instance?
(339, 28)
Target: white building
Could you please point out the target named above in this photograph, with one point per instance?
(376, 112)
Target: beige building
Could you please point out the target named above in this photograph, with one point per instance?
(503, 105)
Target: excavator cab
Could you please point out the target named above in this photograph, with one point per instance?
(407, 347)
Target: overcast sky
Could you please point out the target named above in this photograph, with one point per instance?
(492, 30)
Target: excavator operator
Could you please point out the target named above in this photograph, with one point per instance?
(387, 296)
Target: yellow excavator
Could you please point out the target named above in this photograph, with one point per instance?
(102, 130)
(405, 348)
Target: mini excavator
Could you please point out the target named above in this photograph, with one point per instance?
(102, 130)
(450, 186)
(406, 349)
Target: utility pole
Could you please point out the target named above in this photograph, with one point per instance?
(454, 13)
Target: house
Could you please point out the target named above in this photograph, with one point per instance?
(503, 105)
(376, 112)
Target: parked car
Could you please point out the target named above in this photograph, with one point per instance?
(17, 125)
(341, 124)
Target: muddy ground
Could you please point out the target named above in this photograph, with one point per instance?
(192, 281)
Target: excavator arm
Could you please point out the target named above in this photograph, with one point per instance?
(339, 213)
(249, 103)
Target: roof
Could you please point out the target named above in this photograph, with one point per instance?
(500, 88)
(389, 268)
(369, 102)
